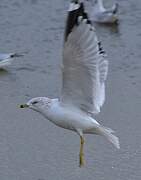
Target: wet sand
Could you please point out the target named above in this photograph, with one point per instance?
(31, 148)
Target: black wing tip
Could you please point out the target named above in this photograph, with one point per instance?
(16, 55)
(79, 11)
(100, 48)
(76, 10)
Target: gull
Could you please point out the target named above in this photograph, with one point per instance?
(83, 91)
(101, 15)
(7, 58)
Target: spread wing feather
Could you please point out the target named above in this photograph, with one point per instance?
(85, 69)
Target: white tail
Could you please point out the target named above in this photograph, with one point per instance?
(107, 132)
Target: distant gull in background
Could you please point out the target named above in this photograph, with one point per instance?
(101, 15)
(83, 90)
(7, 58)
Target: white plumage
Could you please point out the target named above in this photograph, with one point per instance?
(83, 90)
(100, 14)
(85, 70)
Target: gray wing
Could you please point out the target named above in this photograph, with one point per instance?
(84, 69)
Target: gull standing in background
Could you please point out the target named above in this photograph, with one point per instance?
(83, 90)
(7, 58)
(101, 15)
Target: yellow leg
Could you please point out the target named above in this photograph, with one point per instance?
(81, 155)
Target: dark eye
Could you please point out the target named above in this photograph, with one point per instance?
(35, 102)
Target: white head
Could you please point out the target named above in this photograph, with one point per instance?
(37, 104)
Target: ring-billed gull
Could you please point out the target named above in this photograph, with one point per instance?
(101, 15)
(7, 58)
(83, 90)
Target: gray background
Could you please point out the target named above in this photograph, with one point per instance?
(31, 148)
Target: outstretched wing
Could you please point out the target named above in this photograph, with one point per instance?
(84, 67)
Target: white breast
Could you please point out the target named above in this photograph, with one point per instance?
(68, 117)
